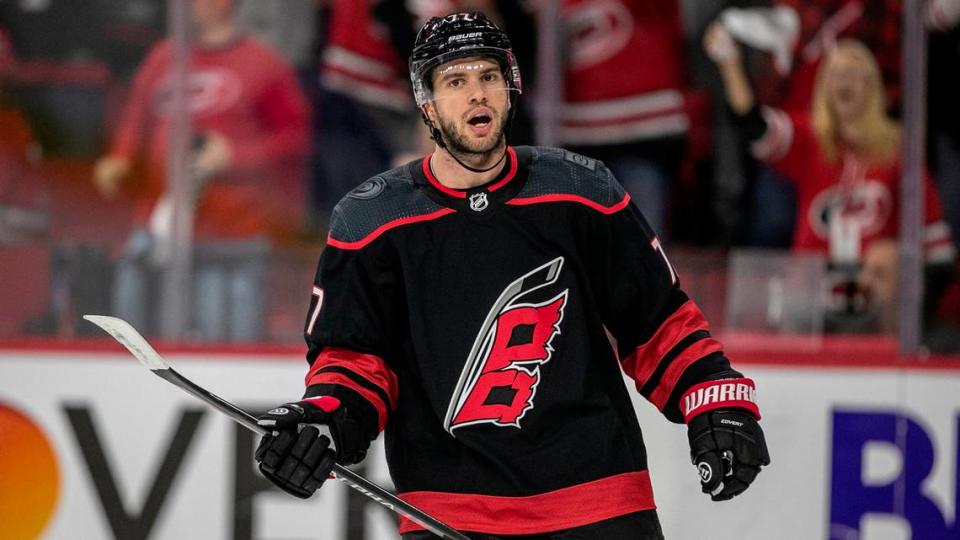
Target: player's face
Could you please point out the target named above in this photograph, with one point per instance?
(209, 12)
(470, 105)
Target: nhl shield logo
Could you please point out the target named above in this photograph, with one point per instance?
(479, 202)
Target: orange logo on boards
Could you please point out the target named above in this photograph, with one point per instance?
(29, 476)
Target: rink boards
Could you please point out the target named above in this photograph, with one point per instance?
(864, 450)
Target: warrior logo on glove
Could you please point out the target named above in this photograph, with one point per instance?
(706, 472)
(726, 443)
(500, 378)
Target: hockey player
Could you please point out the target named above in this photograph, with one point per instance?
(462, 305)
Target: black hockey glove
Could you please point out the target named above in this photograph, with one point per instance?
(726, 442)
(728, 449)
(298, 455)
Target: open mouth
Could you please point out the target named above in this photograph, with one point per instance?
(480, 120)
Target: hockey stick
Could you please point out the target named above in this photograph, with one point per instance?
(128, 336)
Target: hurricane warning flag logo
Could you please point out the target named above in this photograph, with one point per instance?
(501, 375)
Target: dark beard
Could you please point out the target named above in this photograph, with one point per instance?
(459, 145)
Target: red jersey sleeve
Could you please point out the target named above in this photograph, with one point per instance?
(787, 145)
(128, 139)
(353, 328)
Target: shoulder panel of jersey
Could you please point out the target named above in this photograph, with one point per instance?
(558, 175)
(386, 201)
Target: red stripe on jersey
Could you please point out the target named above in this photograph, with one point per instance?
(592, 501)
(364, 79)
(368, 366)
(930, 244)
(510, 174)
(332, 377)
(683, 322)
(617, 120)
(691, 354)
(331, 241)
(566, 197)
(777, 140)
(428, 172)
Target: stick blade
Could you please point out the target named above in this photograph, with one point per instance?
(127, 335)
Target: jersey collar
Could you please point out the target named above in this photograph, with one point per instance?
(480, 201)
(508, 173)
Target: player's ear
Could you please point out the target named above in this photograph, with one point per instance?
(430, 111)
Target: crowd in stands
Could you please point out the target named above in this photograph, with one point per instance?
(751, 123)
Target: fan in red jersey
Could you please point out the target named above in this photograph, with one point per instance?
(250, 120)
(843, 158)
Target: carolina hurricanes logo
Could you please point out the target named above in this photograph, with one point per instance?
(500, 379)
(870, 204)
(209, 91)
(598, 29)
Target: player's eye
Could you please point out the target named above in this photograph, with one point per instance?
(490, 76)
(456, 82)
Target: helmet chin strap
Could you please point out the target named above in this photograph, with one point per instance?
(474, 169)
(437, 137)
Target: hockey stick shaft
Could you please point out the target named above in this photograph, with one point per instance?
(127, 336)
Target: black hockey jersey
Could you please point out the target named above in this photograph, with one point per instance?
(473, 327)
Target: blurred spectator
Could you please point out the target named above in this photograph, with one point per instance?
(943, 87)
(367, 113)
(251, 123)
(7, 55)
(877, 278)
(843, 157)
(54, 30)
(798, 35)
(875, 23)
(60, 77)
(23, 196)
(287, 26)
(624, 94)
(943, 15)
(727, 170)
(765, 203)
(126, 30)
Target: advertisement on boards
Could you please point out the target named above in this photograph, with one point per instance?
(94, 446)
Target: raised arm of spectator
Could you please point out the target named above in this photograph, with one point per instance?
(111, 169)
(943, 15)
(725, 52)
(773, 135)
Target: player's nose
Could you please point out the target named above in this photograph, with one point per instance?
(477, 92)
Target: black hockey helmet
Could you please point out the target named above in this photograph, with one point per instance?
(459, 35)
